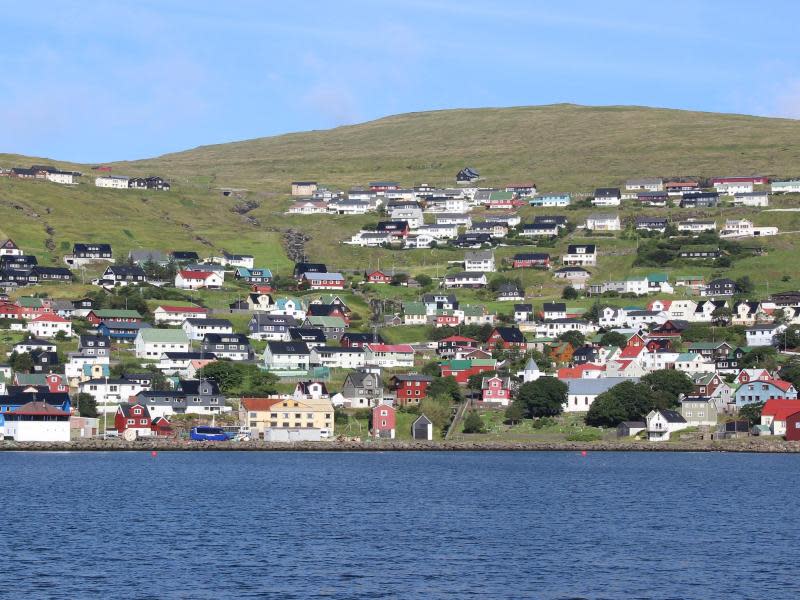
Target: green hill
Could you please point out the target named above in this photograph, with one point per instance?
(560, 147)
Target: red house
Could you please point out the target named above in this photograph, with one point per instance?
(461, 369)
(793, 427)
(97, 316)
(378, 277)
(411, 388)
(384, 421)
(529, 260)
(261, 288)
(8, 310)
(137, 418)
(756, 180)
(446, 318)
(496, 390)
(506, 338)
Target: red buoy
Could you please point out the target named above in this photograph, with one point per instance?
(583, 452)
(154, 453)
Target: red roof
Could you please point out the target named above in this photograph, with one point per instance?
(577, 371)
(183, 309)
(391, 348)
(780, 408)
(259, 404)
(459, 338)
(631, 351)
(40, 409)
(52, 317)
(779, 383)
(195, 274)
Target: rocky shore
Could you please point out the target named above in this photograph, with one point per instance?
(760, 445)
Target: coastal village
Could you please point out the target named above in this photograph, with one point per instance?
(175, 343)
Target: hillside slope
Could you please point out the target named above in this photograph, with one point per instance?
(560, 147)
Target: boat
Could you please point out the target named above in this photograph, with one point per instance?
(205, 433)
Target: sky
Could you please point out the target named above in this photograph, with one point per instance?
(92, 81)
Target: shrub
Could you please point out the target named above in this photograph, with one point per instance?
(586, 435)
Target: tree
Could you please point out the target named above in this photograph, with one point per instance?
(544, 397)
(423, 280)
(606, 411)
(575, 338)
(569, 293)
(261, 383)
(791, 373)
(762, 357)
(473, 423)
(227, 374)
(446, 387)
(722, 315)
(744, 285)
(626, 401)
(437, 409)
(751, 413)
(21, 363)
(399, 279)
(515, 412)
(475, 381)
(613, 338)
(668, 385)
(790, 338)
(87, 405)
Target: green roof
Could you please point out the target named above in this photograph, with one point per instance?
(699, 248)
(473, 311)
(327, 321)
(461, 364)
(172, 336)
(30, 302)
(704, 345)
(501, 196)
(686, 356)
(658, 277)
(414, 308)
(31, 379)
(117, 313)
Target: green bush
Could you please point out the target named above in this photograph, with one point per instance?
(587, 435)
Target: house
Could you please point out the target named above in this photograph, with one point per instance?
(271, 327)
(551, 200)
(506, 338)
(510, 292)
(540, 230)
(699, 411)
(761, 391)
(118, 182)
(153, 342)
(785, 187)
(763, 335)
(303, 188)
(337, 357)
(650, 184)
(580, 255)
(9, 248)
(661, 423)
(776, 412)
(467, 175)
(607, 197)
(231, 346)
(184, 256)
(83, 254)
(581, 393)
(311, 390)
(113, 315)
(332, 327)
(121, 331)
(312, 336)
(196, 280)
(377, 277)
(480, 261)
(603, 222)
(751, 199)
(455, 344)
(575, 275)
(523, 313)
(184, 364)
(323, 281)
(630, 428)
(383, 421)
(287, 419)
(109, 392)
(253, 275)
(793, 428)
(531, 260)
(234, 260)
(465, 279)
(143, 257)
(410, 389)
(496, 390)
(94, 345)
(554, 310)
(35, 421)
(696, 226)
(422, 428)
(653, 199)
(49, 325)
(531, 372)
(149, 183)
(287, 356)
(699, 251)
(362, 389)
(120, 276)
(175, 315)
(389, 356)
(699, 200)
(359, 340)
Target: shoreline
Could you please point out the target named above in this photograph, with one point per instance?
(749, 445)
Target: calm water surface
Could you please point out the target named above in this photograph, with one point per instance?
(399, 525)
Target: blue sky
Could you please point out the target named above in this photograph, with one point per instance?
(100, 81)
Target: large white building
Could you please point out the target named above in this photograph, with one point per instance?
(36, 422)
(118, 182)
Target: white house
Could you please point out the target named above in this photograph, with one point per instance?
(389, 356)
(63, 177)
(752, 199)
(36, 422)
(609, 222)
(175, 315)
(467, 279)
(152, 342)
(49, 325)
(479, 261)
(580, 255)
(692, 363)
(196, 329)
(336, 357)
(118, 182)
(661, 423)
(108, 392)
(287, 356)
(195, 280)
(763, 335)
(786, 187)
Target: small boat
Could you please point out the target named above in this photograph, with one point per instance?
(208, 434)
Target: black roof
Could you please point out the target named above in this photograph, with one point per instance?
(305, 267)
(550, 219)
(184, 255)
(192, 386)
(313, 334)
(79, 248)
(554, 307)
(532, 256)
(287, 347)
(369, 338)
(607, 193)
(523, 307)
(572, 248)
(510, 334)
(225, 338)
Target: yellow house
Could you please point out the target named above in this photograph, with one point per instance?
(260, 414)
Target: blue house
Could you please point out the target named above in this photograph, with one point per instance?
(761, 391)
(121, 332)
(546, 200)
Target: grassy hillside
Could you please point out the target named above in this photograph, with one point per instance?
(561, 147)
